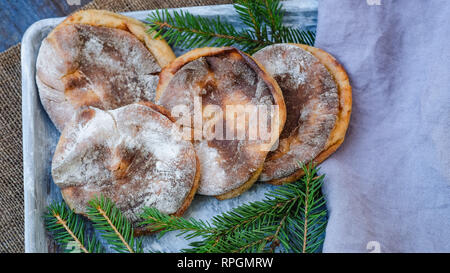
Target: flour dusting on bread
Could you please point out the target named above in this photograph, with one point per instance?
(224, 80)
(130, 155)
(94, 66)
(312, 103)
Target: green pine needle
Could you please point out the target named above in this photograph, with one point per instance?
(69, 230)
(263, 19)
(273, 14)
(249, 14)
(185, 30)
(292, 218)
(113, 226)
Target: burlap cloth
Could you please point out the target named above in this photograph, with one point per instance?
(11, 173)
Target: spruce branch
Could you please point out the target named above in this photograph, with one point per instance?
(296, 36)
(273, 16)
(291, 218)
(66, 227)
(185, 30)
(263, 19)
(248, 11)
(113, 226)
(155, 221)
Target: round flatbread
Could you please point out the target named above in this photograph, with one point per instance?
(131, 155)
(317, 94)
(231, 88)
(98, 58)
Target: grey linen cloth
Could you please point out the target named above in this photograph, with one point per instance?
(388, 185)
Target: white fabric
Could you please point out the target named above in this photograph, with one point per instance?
(388, 185)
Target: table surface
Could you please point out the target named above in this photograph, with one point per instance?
(17, 15)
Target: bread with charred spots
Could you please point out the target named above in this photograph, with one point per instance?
(130, 155)
(221, 79)
(318, 99)
(101, 59)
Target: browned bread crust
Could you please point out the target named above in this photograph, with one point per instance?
(103, 18)
(337, 134)
(169, 72)
(129, 155)
(98, 58)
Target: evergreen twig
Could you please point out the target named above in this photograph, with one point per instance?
(113, 226)
(185, 30)
(292, 216)
(67, 227)
(249, 11)
(263, 19)
(273, 15)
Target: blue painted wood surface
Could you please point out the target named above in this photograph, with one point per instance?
(17, 15)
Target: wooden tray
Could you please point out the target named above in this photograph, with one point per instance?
(40, 136)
